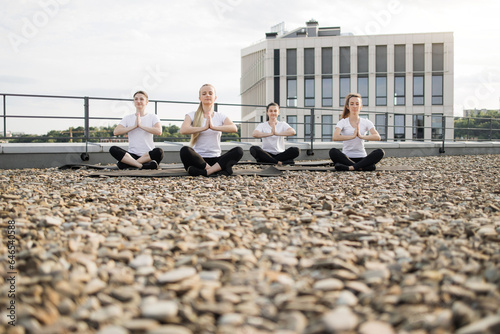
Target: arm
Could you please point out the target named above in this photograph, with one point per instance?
(155, 129)
(288, 132)
(338, 137)
(188, 129)
(121, 130)
(373, 136)
(228, 126)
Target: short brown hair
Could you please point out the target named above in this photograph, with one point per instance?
(141, 92)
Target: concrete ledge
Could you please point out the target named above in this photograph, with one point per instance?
(46, 155)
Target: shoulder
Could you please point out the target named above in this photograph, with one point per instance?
(367, 122)
(342, 122)
(191, 114)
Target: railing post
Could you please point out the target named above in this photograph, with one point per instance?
(312, 122)
(491, 128)
(216, 107)
(443, 128)
(85, 156)
(4, 117)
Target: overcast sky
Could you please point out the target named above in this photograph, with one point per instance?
(112, 48)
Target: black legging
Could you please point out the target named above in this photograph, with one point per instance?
(118, 153)
(367, 163)
(262, 156)
(189, 157)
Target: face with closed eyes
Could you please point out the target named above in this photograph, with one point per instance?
(207, 94)
(273, 112)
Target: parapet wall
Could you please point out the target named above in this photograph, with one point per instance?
(47, 155)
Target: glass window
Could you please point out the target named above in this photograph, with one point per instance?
(326, 127)
(437, 89)
(381, 58)
(399, 91)
(418, 58)
(381, 125)
(292, 121)
(399, 58)
(418, 127)
(363, 89)
(277, 76)
(308, 61)
(326, 61)
(309, 92)
(276, 62)
(381, 89)
(327, 92)
(362, 59)
(344, 89)
(291, 100)
(307, 127)
(437, 57)
(345, 59)
(437, 127)
(418, 89)
(291, 62)
(399, 127)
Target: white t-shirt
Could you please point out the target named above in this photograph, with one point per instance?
(139, 141)
(208, 143)
(273, 144)
(354, 148)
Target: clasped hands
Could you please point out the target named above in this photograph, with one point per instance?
(357, 133)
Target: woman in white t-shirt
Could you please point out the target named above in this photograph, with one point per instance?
(273, 135)
(140, 128)
(203, 156)
(352, 129)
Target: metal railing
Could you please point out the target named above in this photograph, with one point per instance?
(475, 130)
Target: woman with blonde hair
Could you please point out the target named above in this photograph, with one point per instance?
(352, 129)
(203, 156)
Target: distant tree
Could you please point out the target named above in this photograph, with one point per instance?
(485, 125)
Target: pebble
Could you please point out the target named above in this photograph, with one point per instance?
(307, 252)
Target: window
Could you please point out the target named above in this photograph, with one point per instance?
(309, 61)
(291, 72)
(381, 91)
(326, 61)
(291, 62)
(326, 127)
(437, 127)
(326, 81)
(399, 91)
(345, 60)
(363, 89)
(292, 121)
(418, 89)
(399, 127)
(418, 127)
(418, 58)
(344, 89)
(399, 58)
(381, 58)
(327, 92)
(291, 88)
(437, 57)
(362, 59)
(437, 73)
(437, 89)
(309, 92)
(381, 125)
(277, 76)
(307, 127)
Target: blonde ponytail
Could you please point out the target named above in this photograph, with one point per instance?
(197, 121)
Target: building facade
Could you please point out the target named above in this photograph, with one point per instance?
(406, 81)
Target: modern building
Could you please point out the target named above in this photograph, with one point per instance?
(406, 81)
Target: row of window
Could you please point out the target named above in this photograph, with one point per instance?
(381, 125)
(344, 84)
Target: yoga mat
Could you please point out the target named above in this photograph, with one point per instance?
(332, 169)
(78, 166)
(171, 172)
